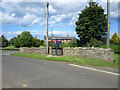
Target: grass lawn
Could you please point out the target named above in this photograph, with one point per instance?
(76, 60)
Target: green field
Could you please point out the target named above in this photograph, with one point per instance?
(76, 60)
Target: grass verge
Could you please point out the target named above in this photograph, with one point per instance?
(75, 60)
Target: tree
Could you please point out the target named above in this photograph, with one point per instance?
(24, 40)
(42, 42)
(115, 39)
(3, 41)
(73, 43)
(92, 23)
(37, 42)
(17, 41)
(94, 42)
(11, 41)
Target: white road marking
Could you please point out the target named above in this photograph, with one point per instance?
(94, 69)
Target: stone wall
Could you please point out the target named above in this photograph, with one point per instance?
(91, 52)
(33, 50)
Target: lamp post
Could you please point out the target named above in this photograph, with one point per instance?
(47, 27)
(108, 24)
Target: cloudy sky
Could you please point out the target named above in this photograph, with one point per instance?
(30, 15)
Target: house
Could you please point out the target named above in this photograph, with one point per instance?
(63, 39)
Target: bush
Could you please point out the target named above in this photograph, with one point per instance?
(65, 45)
(37, 42)
(116, 48)
(73, 43)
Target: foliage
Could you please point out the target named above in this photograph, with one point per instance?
(65, 45)
(94, 42)
(37, 42)
(42, 42)
(92, 23)
(11, 46)
(11, 41)
(115, 39)
(17, 41)
(24, 40)
(119, 42)
(73, 43)
(3, 41)
(115, 47)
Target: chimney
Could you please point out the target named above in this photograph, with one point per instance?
(67, 35)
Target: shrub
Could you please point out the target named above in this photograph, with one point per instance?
(73, 43)
(37, 42)
(65, 45)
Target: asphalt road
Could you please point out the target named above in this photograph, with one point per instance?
(19, 72)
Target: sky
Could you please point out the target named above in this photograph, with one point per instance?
(30, 15)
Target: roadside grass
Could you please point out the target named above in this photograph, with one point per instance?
(75, 60)
(117, 57)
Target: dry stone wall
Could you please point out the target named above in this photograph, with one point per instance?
(90, 52)
(33, 50)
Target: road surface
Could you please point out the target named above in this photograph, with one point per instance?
(19, 72)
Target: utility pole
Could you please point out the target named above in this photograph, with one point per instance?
(91, 0)
(47, 27)
(108, 24)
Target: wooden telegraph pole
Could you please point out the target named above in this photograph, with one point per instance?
(108, 24)
(47, 27)
(91, 0)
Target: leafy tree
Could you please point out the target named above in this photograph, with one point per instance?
(92, 23)
(11, 41)
(42, 42)
(37, 42)
(3, 41)
(24, 40)
(94, 42)
(17, 41)
(119, 42)
(73, 43)
(115, 39)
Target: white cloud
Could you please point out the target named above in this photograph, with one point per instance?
(63, 33)
(30, 13)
